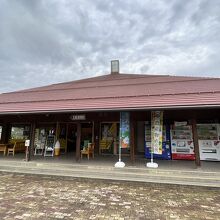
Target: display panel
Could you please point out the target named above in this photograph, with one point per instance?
(209, 143)
(207, 131)
(182, 142)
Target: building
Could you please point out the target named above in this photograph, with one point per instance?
(88, 110)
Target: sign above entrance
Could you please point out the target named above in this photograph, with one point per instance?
(180, 123)
(77, 117)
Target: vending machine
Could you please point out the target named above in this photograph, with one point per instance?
(182, 147)
(209, 142)
(166, 152)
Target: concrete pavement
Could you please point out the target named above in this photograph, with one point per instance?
(32, 197)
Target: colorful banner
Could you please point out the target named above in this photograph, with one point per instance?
(124, 130)
(156, 131)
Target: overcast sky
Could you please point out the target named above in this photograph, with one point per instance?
(52, 41)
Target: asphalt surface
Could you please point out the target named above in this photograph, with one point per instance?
(49, 197)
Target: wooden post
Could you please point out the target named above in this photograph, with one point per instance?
(78, 140)
(2, 136)
(5, 133)
(132, 136)
(66, 137)
(96, 136)
(32, 137)
(196, 142)
(57, 131)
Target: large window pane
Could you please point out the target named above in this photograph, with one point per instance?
(0, 132)
(20, 132)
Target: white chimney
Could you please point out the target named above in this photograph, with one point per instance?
(115, 67)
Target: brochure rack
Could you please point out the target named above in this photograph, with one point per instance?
(49, 148)
(39, 142)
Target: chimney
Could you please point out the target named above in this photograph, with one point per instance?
(115, 67)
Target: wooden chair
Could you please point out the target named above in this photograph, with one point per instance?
(85, 144)
(18, 146)
(89, 150)
(105, 145)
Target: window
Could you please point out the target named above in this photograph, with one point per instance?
(0, 132)
(17, 132)
(20, 132)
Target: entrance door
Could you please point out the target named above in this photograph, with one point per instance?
(86, 133)
(140, 137)
(71, 137)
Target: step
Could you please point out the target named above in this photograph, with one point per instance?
(196, 172)
(117, 174)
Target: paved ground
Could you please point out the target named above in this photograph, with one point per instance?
(178, 174)
(45, 197)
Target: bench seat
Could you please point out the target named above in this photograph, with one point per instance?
(18, 146)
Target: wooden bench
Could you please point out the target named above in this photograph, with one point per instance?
(18, 146)
(3, 148)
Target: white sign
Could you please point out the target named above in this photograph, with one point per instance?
(180, 123)
(27, 143)
(77, 117)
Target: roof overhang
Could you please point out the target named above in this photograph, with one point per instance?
(148, 108)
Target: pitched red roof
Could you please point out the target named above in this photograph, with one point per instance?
(116, 91)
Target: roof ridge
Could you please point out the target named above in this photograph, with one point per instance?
(86, 80)
(92, 79)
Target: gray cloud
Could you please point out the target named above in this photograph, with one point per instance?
(50, 41)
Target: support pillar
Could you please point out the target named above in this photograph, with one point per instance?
(196, 143)
(32, 137)
(132, 136)
(78, 141)
(96, 136)
(5, 133)
(57, 129)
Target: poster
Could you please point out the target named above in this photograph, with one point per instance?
(156, 131)
(124, 130)
(113, 129)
